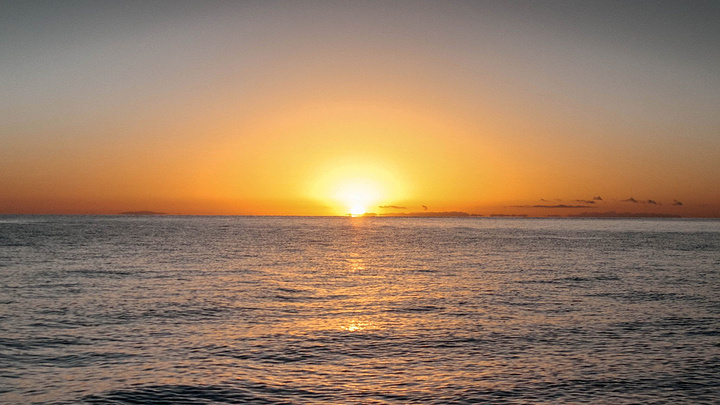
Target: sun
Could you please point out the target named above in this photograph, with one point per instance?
(357, 195)
(357, 209)
(355, 186)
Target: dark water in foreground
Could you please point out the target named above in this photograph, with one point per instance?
(366, 310)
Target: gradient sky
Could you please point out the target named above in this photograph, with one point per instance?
(298, 108)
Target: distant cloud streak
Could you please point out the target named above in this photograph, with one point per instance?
(428, 214)
(395, 207)
(550, 206)
(613, 214)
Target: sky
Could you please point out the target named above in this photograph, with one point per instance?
(330, 107)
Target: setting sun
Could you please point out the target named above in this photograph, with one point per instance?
(357, 210)
(356, 187)
(357, 195)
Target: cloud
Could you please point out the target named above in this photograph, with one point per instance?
(632, 200)
(395, 207)
(653, 202)
(676, 202)
(424, 207)
(612, 214)
(550, 206)
(428, 214)
(585, 201)
(598, 198)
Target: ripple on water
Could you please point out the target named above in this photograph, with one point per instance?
(331, 310)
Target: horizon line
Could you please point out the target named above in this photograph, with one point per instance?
(474, 216)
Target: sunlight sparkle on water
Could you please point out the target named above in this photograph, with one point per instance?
(355, 326)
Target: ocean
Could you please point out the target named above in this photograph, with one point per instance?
(312, 310)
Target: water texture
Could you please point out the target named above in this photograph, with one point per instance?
(282, 310)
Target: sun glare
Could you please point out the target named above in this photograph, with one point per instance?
(357, 210)
(356, 188)
(357, 195)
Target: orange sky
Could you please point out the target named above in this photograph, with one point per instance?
(309, 109)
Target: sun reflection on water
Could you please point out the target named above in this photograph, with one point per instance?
(356, 326)
(356, 264)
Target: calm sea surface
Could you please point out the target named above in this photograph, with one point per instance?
(274, 310)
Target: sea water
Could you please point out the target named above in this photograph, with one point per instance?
(290, 310)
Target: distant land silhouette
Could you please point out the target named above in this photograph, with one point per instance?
(142, 213)
(610, 214)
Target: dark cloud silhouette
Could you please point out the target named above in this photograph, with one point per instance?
(598, 198)
(550, 206)
(585, 201)
(612, 214)
(676, 202)
(424, 207)
(634, 201)
(395, 207)
(428, 214)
